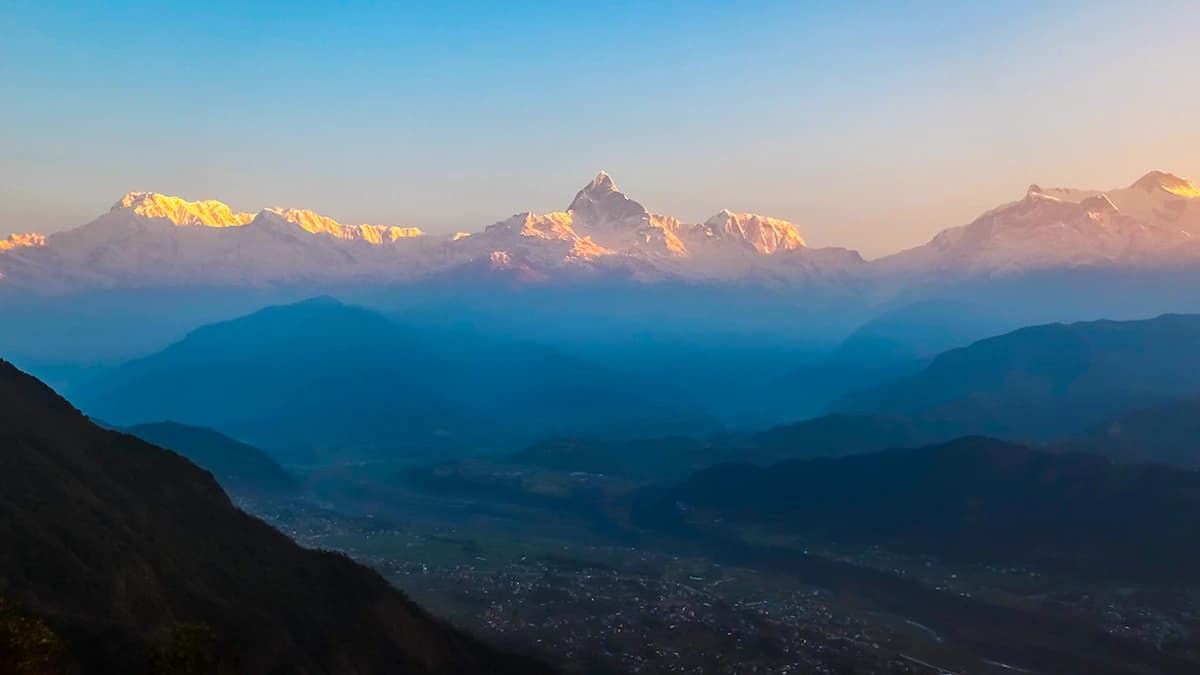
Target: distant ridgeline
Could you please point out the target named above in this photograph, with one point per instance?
(321, 378)
(972, 500)
(1047, 382)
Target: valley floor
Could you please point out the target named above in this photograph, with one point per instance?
(595, 602)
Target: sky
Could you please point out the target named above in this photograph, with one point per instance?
(871, 125)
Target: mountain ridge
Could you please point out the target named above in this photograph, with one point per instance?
(1047, 380)
(1154, 219)
(417, 389)
(151, 239)
(971, 498)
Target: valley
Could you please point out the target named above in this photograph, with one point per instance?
(626, 601)
(328, 347)
(624, 530)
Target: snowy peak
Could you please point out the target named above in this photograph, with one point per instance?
(207, 213)
(543, 239)
(600, 200)
(315, 223)
(309, 221)
(1152, 221)
(764, 234)
(614, 221)
(380, 234)
(215, 214)
(1099, 204)
(152, 239)
(15, 241)
(600, 184)
(1168, 182)
(603, 229)
(554, 225)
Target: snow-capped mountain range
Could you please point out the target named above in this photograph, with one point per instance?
(1156, 220)
(149, 239)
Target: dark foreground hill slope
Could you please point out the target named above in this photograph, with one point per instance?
(1047, 381)
(974, 499)
(119, 557)
(236, 465)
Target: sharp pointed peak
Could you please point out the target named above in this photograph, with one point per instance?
(602, 190)
(601, 181)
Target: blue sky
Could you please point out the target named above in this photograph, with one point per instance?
(871, 125)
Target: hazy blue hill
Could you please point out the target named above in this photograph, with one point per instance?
(838, 435)
(668, 458)
(121, 323)
(236, 465)
(974, 498)
(1047, 381)
(921, 330)
(321, 376)
(134, 561)
(647, 458)
(315, 374)
(1164, 434)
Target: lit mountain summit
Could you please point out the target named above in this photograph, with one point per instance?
(152, 240)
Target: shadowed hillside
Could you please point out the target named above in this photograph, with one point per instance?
(1047, 381)
(128, 559)
(973, 499)
(234, 464)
